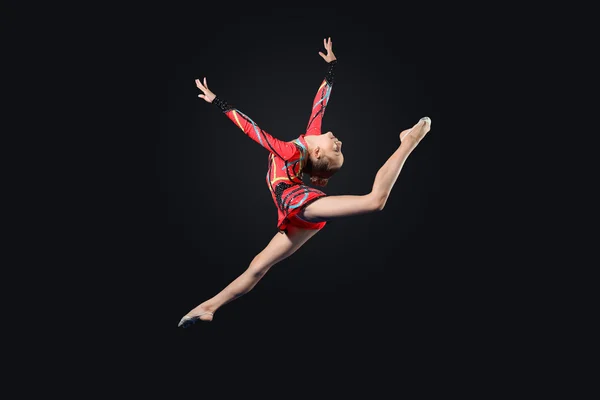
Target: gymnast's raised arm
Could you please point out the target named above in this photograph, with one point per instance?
(321, 99)
(279, 148)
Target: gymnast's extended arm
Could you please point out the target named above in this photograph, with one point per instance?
(284, 150)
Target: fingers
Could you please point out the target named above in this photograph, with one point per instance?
(322, 55)
(200, 86)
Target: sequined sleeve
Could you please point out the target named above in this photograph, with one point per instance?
(321, 100)
(281, 149)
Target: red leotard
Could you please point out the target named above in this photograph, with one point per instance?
(287, 159)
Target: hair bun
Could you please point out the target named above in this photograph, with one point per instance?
(316, 180)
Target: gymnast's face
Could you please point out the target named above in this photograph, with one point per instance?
(331, 147)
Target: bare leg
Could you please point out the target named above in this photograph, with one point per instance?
(279, 248)
(347, 205)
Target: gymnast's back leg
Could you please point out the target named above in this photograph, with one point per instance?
(281, 246)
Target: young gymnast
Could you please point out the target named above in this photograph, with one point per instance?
(303, 210)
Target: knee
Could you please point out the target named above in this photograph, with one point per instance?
(381, 204)
(377, 202)
(259, 267)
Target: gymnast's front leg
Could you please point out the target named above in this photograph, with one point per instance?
(331, 207)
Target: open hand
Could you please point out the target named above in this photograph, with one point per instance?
(207, 95)
(328, 46)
